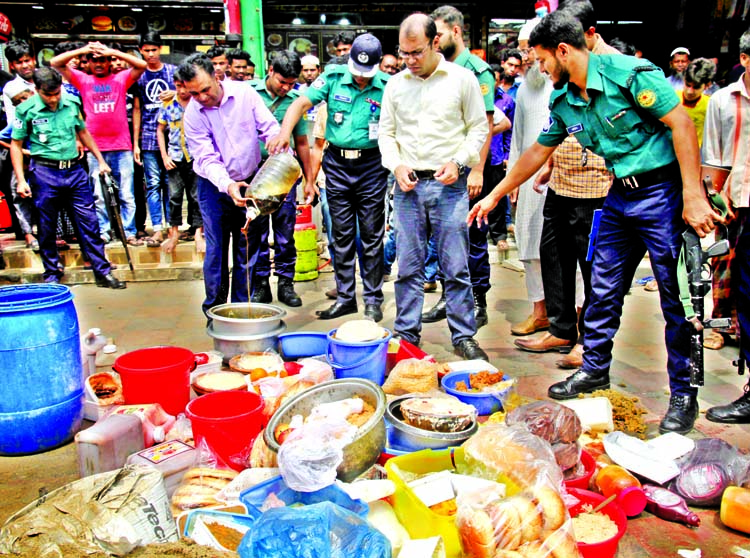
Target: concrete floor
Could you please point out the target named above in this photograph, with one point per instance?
(168, 312)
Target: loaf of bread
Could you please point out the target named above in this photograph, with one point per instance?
(199, 487)
(412, 375)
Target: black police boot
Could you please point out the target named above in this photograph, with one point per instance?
(681, 415)
(580, 382)
(469, 349)
(480, 309)
(286, 292)
(437, 312)
(737, 412)
(262, 291)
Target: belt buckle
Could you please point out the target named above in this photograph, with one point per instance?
(631, 182)
(351, 153)
(62, 165)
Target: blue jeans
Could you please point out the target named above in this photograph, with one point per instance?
(156, 187)
(634, 221)
(121, 163)
(439, 209)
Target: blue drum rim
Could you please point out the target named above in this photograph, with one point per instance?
(56, 295)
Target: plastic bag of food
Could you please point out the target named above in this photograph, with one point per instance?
(412, 375)
(707, 470)
(246, 479)
(322, 530)
(312, 452)
(511, 454)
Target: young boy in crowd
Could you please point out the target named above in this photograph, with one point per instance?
(179, 165)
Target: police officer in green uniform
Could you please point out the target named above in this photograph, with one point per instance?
(623, 109)
(278, 94)
(450, 26)
(51, 121)
(355, 177)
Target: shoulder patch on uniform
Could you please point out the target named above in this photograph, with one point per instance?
(318, 83)
(548, 126)
(17, 123)
(484, 88)
(646, 98)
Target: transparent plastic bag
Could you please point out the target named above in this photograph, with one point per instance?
(707, 470)
(322, 530)
(309, 457)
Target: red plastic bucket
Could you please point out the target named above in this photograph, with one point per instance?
(228, 422)
(157, 375)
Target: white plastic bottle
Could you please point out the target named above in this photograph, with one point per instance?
(91, 343)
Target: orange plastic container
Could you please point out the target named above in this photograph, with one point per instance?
(613, 479)
(735, 508)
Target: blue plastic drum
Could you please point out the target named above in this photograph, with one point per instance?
(41, 374)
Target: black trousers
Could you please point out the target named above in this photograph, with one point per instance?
(498, 216)
(565, 241)
(355, 189)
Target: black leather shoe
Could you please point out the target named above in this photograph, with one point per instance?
(681, 415)
(737, 412)
(580, 382)
(286, 293)
(373, 312)
(480, 310)
(469, 349)
(436, 313)
(262, 292)
(337, 310)
(109, 281)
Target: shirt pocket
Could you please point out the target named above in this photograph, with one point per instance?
(340, 111)
(625, 126)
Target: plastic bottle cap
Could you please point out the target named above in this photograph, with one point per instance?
(632, 500)
(109, 349)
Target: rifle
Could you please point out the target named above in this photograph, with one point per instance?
(694, 279)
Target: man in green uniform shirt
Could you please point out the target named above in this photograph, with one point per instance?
(623, 109)
(450, 27)
(277, 92)
(51, 121)
(355, 177)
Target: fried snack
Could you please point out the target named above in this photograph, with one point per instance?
(627, 412)
(412, 375)
(552, 507)
(199, 487)
(261, 455)
(561, 544)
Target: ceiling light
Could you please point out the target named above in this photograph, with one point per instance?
(38, 7)
(344, 21)
(136, 9)
(322, 18)
(296, 21)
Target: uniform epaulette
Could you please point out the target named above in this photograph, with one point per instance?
(477, 64)
(623, 69)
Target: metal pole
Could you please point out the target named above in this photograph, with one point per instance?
(251, 12)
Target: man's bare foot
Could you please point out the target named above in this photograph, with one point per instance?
(200, 241)
(169, 245)
(158, 236)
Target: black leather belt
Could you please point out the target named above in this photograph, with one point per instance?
(60, 165)
(655, 176)
(352, 153)
(425, 174)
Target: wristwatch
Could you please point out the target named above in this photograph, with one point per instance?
(459, 165)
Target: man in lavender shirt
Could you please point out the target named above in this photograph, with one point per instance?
(223, 124)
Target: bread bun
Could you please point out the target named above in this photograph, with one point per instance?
(501, 553)
(477, 533)
(507, 523)
(101, 23)
(561, 544)
(261, 455)
(534, 549)
(552, 507)
(531, 518)
(208, 474)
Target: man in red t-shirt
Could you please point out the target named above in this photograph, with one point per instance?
(104, 104)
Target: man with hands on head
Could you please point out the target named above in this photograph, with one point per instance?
(622, 109)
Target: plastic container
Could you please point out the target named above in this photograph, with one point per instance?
(304, 214)
(254, 497)
(172, 458)
(735, 508)
(613, 479)
(155, 421)
(108, 444)
(271, 184)
(399, 349)
(41, 391)
(197, 528)
(667, 505)
(589, 466)
(358, 360)
(485, 403)
(157, 375)
(306, 238)
(604, 549)
(302, 344)
(228, 422)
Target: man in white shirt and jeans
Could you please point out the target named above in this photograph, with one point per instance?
(432, 126)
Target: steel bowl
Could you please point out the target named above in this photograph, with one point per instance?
(369, 442)
(236, 318)
(231, 345)
(410, 438)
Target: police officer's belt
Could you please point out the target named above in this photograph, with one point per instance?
(656, 176)
(351, 153)
(61, 165)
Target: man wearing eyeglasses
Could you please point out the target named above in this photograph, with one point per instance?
(433, 126)
(104, 95)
